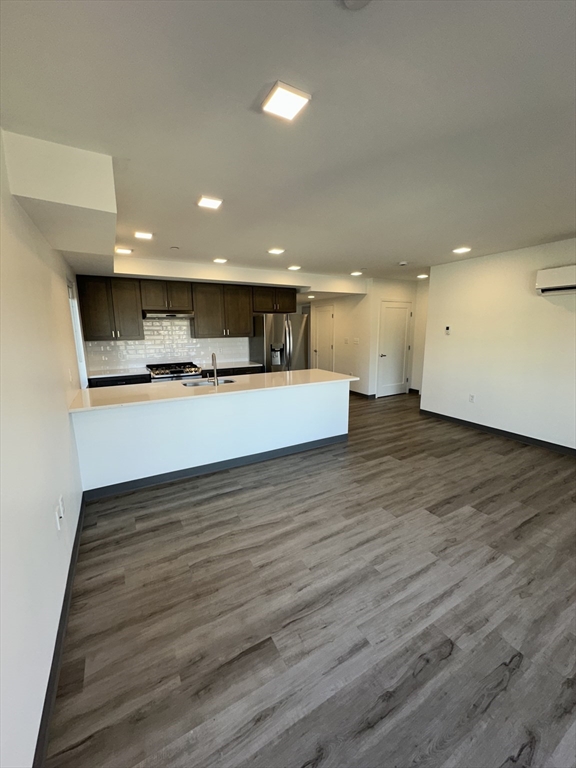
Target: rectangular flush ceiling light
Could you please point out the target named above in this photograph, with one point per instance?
(285, 101)
(209, 202)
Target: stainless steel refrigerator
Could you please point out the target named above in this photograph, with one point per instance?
(280, 342)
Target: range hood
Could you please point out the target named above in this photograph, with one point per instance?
(166, 314)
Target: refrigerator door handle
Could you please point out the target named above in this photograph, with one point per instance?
(288, 344)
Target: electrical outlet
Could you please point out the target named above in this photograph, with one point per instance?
(346, 340)
(472, 398)
(356, 341)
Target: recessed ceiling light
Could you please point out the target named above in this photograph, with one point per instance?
(143, 235)
(123, 250)
(421, 277)
(356, 274)
(276, 251)
(220, 261)
(312, 296)
(285, 101)
(462, 250)
(209, 202)
(294, 268)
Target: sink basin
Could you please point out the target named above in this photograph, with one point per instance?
(206, 383)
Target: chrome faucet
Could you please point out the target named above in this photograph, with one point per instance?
(215, 369)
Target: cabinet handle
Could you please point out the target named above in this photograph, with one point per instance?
(170, 304)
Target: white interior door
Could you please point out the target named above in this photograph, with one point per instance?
(393, 348)
(324, 338)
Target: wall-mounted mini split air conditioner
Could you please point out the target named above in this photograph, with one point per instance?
(553, 282)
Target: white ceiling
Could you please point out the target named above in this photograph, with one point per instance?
(432, 124)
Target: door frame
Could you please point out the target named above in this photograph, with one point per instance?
(410, 342)
(317, 308)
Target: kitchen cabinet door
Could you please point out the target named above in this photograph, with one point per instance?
(238, 310)
(209, 320)
(127, 304)
(96, 309)
(154, 295)
(285, 300)
(264, 299)
(179, 296)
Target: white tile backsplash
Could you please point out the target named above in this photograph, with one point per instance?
(165, 341)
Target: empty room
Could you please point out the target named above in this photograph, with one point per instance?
(288, 383)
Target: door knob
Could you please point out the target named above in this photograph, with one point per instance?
(382, 355)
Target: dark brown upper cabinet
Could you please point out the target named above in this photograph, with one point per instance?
(285, 300)
(222, 310)
(96, 310)
(127, 305)
(209, 322)
(274, 299)
(159, 295)
(111, 308)
(238, 310)
(264, 299)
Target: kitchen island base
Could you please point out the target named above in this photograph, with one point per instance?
(142, 440)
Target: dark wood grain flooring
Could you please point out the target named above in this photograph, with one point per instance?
(405, 599)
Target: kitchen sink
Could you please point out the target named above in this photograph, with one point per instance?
(206, 383)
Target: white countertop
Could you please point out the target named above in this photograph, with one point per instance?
(140, 394)
(118, 372)
(145, 371)
(243, 364)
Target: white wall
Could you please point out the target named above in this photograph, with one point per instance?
(38, 464)
(358, 317)
(351, 320)
(510, 348)
(420, 318)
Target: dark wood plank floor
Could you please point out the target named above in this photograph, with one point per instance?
(406, 599)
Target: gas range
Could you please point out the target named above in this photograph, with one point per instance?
(174, 371)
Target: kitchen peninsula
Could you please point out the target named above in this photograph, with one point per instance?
(130, 437)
